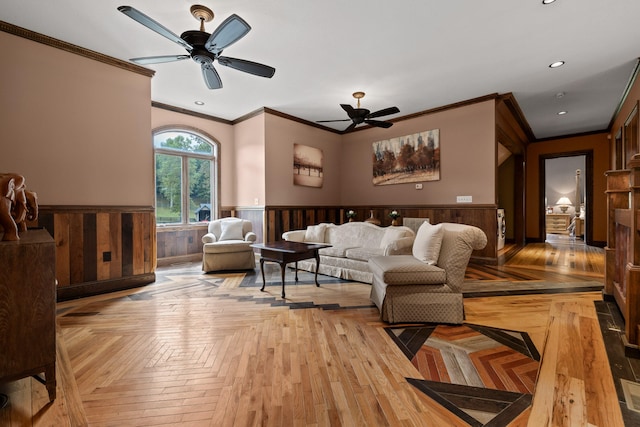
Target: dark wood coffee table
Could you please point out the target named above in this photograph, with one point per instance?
(285, 252)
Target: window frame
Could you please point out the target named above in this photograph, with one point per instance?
(184, 156)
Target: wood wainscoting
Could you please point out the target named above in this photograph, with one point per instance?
(101, 248)
(279, 219)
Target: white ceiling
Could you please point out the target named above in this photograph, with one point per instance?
(414, 54)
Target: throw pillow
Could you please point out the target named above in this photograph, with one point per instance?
(231, 230)
(390, 235)
(315, 233)
(426, 246)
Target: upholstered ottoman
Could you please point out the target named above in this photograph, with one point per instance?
(407, 290)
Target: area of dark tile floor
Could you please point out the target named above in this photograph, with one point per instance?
(625, 370)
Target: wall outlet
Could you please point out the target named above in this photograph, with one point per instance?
(256, 201)
(418, 186)
(464, 199)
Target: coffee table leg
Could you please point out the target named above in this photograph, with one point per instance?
(317, 266)
(282, 269)
(296, 271)
(262, 270)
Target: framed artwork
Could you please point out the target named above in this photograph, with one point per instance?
(409, 158)
(307, 166)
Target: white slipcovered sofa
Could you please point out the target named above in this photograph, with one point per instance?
(352, 245)
(227, 245)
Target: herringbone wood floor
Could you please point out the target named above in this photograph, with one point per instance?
(195, 349)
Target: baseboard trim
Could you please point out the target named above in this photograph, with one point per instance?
(168, 261)
(65, 293)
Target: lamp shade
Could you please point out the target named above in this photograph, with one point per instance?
(564, 204)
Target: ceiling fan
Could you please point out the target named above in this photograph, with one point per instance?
(203, 48)
(362, 115)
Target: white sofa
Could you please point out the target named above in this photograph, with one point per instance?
(352, 245)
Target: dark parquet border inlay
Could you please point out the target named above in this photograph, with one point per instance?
(485, 376)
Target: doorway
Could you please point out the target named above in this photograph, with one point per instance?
(566, 192)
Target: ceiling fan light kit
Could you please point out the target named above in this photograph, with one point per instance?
(203, 48)
(362, 115)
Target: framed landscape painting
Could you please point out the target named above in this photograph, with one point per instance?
(409, 158)
(307, 166)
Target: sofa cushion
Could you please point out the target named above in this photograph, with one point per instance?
(337, 251)
(315, 233)
(426, 246)
(406, 270)
(231, 230)
(363, 254)
(391, 234)
(227, 246)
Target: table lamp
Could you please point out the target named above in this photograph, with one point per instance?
(564, 203)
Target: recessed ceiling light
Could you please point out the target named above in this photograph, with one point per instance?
(547, 1)
(199, 103)
(562, 113)
(556, 64)
(560, 95)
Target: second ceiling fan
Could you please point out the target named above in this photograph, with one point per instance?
(362, 115)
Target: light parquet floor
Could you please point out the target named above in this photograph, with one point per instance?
(200, 350)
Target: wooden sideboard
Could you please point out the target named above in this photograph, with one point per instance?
(28, 309)
(558, 223)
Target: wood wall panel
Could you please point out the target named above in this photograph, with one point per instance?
(61, 237)
(76, 247)
(102, 233)
(85, 237)
(89, 248)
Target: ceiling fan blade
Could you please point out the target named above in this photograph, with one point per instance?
(230, 31)
(349, 109)
(159, 59)
(379, 124)
(384, 112)
(211, 76)
(350, 127)
(328, 121)
(143, 19)
(247, 66)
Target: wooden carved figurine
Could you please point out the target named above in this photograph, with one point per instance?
(17, 205)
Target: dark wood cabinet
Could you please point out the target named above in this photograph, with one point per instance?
(28, 309)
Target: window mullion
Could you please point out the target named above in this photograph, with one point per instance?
(185, 190)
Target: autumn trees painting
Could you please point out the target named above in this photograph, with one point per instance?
(409, 158)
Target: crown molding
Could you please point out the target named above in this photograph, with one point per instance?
(72, 48)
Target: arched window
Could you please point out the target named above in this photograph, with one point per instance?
(186, 177)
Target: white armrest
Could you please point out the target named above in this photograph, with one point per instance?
(209, 238)
(294, 235)
(250, 237)
(402, 246)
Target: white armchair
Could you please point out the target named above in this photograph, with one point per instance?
(227, 245)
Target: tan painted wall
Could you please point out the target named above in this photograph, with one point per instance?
(250, 162)
(220, 132)
(468, 160)
(77, 129)
(600, 146)
(281, 134)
